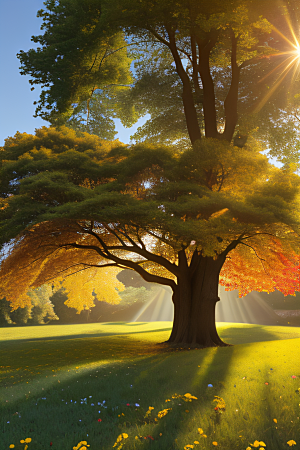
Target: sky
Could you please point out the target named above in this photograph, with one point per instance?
(18, 22)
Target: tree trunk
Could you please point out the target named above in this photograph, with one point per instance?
(195, 297)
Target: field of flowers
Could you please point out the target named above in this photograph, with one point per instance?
(111, 386)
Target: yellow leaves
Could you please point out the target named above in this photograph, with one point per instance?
(80, 286)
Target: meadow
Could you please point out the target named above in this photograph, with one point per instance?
(111, 385)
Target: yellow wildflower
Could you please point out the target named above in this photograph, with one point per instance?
(27, 440)
(12, 446)
(163, 413)
(291, 442)
(258, 444)
(22, 441)
(200, 430)
(188, 446)
(275, 420)
(120, 438)
(189, 396)
(215, 443)
(196, 442)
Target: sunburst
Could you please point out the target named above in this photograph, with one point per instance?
(290, 64)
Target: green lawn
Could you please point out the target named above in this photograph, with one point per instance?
(56, 379)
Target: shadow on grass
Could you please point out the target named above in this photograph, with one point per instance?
(248, 333)
(124, 371)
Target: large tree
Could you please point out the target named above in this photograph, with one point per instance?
(74, 204)
(177, 216)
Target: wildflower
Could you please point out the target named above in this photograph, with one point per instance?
(291, 442)
(99, 420)
(12, 446)
(275, 420)
(188, 446)
(258, 444)
(196, 442)
(220, 404)
(163, 413)
(119, 440)
(215, 443)
(190, 397)
(148, 412)
(84, 445)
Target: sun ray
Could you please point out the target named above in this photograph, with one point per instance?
(291, 61)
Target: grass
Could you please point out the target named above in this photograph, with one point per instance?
(56, 379)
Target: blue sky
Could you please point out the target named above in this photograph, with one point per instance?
(18, 22)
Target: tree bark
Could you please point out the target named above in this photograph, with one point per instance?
(195, 298)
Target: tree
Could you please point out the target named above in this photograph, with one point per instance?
(75, 204)
(175, 216)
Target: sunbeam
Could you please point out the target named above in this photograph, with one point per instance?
(290, 63)
(250, 309)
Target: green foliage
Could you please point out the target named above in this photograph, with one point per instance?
(4, 312)
(42, 308)
(79, 54)
(215, 190)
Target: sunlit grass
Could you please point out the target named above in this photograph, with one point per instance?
(56, 379)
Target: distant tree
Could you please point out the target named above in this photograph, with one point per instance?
(41, 311)
(20, 315)
(4, 312)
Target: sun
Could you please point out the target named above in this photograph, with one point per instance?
(291, 62)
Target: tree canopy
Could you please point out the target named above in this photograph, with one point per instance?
(210, 69)
(73, 203)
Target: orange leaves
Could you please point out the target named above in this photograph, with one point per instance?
(263, 264)
(41, 258)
